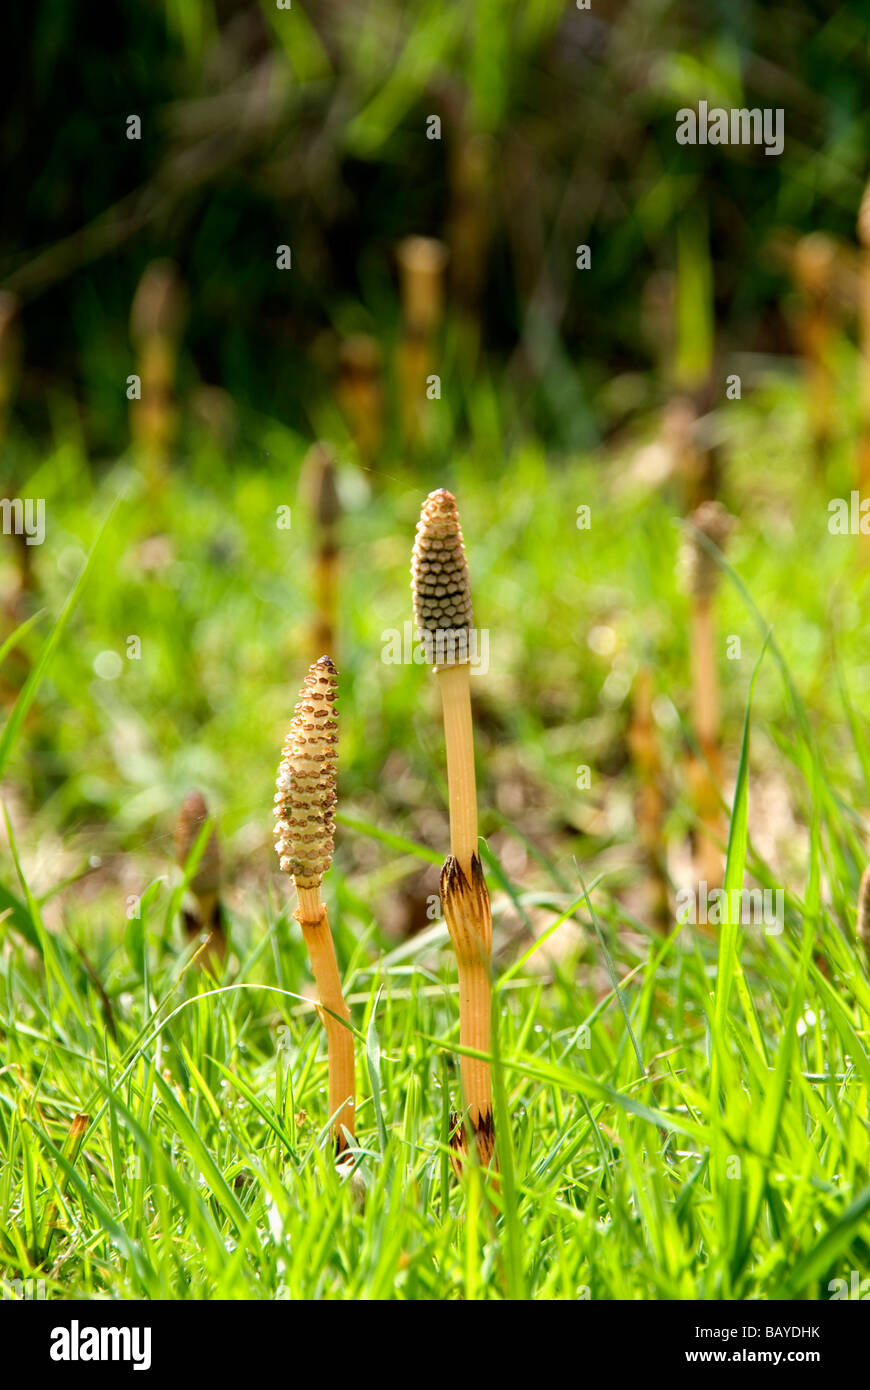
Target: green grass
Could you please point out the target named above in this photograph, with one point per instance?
(682, 1116)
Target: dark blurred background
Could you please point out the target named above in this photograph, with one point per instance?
(308, 127)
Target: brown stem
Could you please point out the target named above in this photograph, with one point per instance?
(465, 901)
(414, 364)
(705, 701)
(455, 684)
(474, 1032)
(818, 333)
(317, 935)
(704, 689)
(326, 579)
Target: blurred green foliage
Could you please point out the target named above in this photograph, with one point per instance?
(180, 661)
(307, 126)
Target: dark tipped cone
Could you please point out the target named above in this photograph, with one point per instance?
(439, 569)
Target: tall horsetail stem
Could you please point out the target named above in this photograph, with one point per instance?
(304, 835)
(700, 574)
(443, 614)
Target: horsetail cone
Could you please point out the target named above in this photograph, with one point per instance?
(439, 570)
(305, 797)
